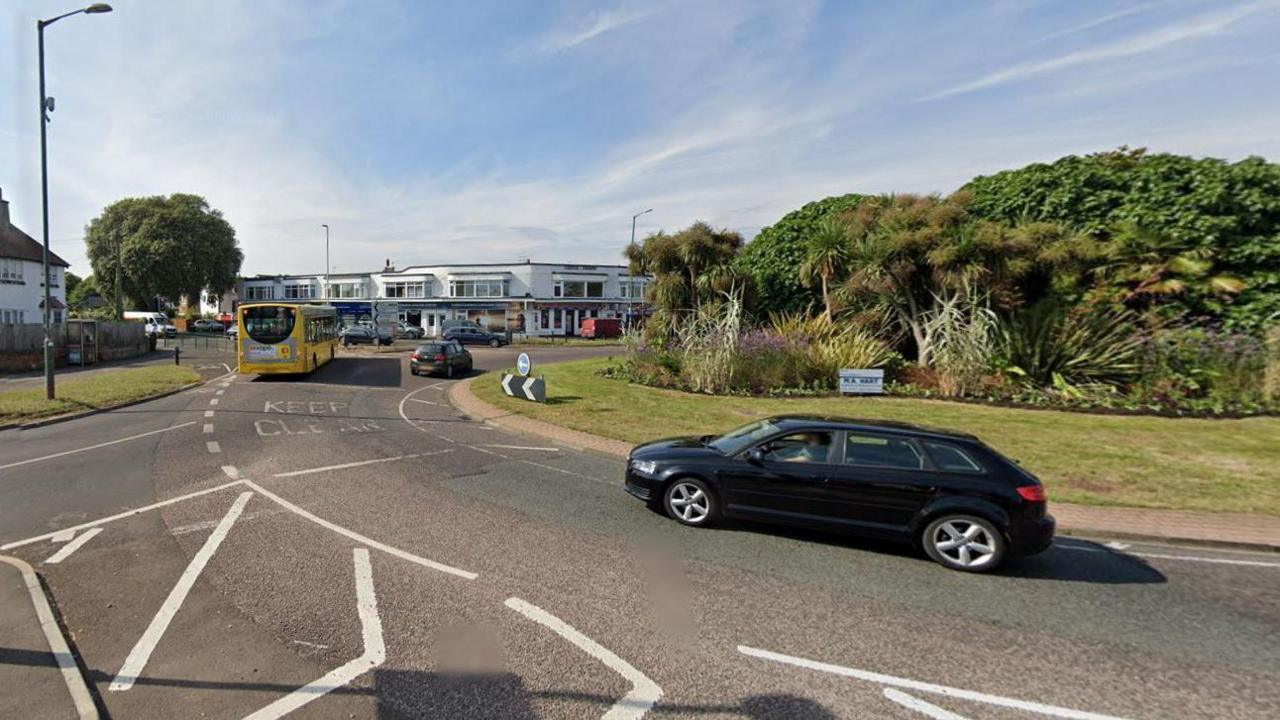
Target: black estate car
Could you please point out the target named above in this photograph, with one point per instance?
(447, 358)
(474, 336)
(966, 505)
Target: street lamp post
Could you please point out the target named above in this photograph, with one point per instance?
(326, 262)
(46, 106)
(630, 287)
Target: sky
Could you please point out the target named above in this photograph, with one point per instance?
(445, 132)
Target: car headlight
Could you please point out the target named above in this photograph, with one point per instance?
(644, 467)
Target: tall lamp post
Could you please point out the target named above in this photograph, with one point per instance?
(630, 287)
(325, 289)
(46, 107)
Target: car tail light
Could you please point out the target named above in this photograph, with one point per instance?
(440, 357)
(416, 356)
(1033, 493)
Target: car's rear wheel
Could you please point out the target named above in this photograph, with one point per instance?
(494, 343)
(690, 502)
(964, 542)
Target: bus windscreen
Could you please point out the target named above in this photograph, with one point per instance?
(269, 325)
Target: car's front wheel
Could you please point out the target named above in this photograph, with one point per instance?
(495, 343)
(964, 542)
(691, 502)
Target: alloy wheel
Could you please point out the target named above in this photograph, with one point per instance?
(965, 543)
(690, 502)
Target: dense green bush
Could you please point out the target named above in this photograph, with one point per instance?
(1204, 205)
(774, 257)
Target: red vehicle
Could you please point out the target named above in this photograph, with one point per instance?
(593, 328)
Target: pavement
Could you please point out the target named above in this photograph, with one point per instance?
(349, 545)
(1241, 530)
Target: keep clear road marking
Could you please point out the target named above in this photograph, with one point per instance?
(141, 652)
(375, 652)
(375, 461)
(74, 545)
(118, 516)
(360, 538)
(95, 447)
(912, 702)
(644, 692)
(1024, 705)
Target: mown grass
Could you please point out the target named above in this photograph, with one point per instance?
(92, 392)
(1174, 463)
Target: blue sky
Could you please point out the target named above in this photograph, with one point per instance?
(490, 131)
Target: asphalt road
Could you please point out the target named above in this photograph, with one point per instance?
(346, 545)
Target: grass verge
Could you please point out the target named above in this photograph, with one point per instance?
(1172, 463)
(93, 392)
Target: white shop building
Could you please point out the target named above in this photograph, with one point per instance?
(527, 298)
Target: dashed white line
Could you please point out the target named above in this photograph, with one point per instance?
(74, 545)
(361, 538)
(117, 516)
(213, 446)
(219, 392)
(359, 463)
(375, 652)
(208, 428)
(644, 692)
(890, 680)
(213, 401)
(522, 447)
(231, 472)
(95, 447)
(1162, 556)
(208, 413)
(912, 702)
(141, 652)
(424, 402)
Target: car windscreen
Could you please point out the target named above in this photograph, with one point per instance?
(735, 441)
(268, 324)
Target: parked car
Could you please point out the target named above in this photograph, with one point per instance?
(233, 331)
(445, 358)
(459, 323)
(205, 325)
(405, 330)
(156, 328)
(966, 505)
(357, 335)
(593, 328)
(466, 335)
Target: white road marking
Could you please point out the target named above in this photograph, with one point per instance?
(213, 446)
(1118, 545)
(64, 453)
(141, 652)
(1024, 705)
(57, 643)
(1188, 558)
(74, 545)
(914, 703)
(644, 692)
(231, 472)
(435, 386)
(361, 538)
(63, 536)
(523, 447)
(228, 367)
(214, 401)
(375, 461)
(118, 516)
(424, 402)
(208, 428)
(208, 413)
(375, 651)
(219, 392)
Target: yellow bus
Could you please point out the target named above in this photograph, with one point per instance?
(285, 337)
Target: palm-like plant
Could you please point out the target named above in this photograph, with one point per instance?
(827, 258)
(1149, 264)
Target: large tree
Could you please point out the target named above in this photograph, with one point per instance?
(1195, 217)
(913, 255)
(777, 252)
(162, 246)
(689, 267)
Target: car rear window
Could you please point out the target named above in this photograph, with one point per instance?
(431, 349)
(951, 458)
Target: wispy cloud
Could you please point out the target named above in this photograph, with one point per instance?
(1099, 21)
(594, 26)
(1195, 27)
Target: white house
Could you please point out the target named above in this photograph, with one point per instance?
(526, 298)
(22, 276)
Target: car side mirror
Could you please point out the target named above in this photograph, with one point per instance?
(755, 456)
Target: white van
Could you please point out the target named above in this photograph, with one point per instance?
(157, 322)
